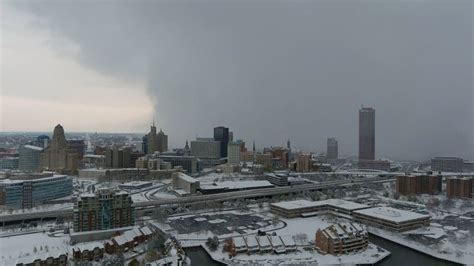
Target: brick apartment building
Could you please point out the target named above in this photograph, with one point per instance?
(341, 238)
(459, 187)
(424, 184)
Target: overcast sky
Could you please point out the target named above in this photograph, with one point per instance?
(269, 70)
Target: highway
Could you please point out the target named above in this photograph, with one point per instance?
(244, 194)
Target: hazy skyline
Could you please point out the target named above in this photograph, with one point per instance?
(268, 70)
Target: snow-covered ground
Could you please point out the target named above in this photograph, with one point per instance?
(42, 208)
(22, 247)
(283, 227)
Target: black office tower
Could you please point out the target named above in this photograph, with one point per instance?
(366, 133)
(221, 134)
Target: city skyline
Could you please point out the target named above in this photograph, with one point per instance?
(306, 86)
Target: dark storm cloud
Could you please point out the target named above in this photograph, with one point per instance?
(298, 70)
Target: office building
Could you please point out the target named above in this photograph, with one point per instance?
(447, 164)
(341, 238)
(277, 179)
(30, 158)
(391, 219)
(280, 157)
(119, 158)
(233, 152)
(221, 134)
(58, 156)
(104, 209)
(305, 208)
(78, 145)
(189, 163)
(423, 184)
(366, 133)
(9, 163)
(206, 148)
(304, 163)
(265, 160)
(162, 141)
(27, 191)
(332, 149)
(459, 187)
(153, 142)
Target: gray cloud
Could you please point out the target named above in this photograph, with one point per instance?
(298, 70)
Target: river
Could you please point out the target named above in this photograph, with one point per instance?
(400, 255)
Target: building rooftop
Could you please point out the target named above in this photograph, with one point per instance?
(343, 230)
(392, 214)
(237, 184)
(187, 178)
(298, 204)
(33, 147)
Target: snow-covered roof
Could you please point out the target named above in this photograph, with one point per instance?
(40, 179)
(239, 242)
(263, 241)
(36, 148)
(237, 184)
(217, 221)
(392, 214)
(146, 230)
(136, 183)
(276, 241)
(251, 241)
(288, 241)
(298, 204)
(343, 231)
(187, 178)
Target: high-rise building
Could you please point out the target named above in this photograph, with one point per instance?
(366, 133)
(30, 157)
(206, 148)
(221, 134)
(58, 156)
(233, 154)
(78, 145)
(104, 209)
(412, 185)
(119, 158)
(460, 187)
(150, 141)
(332, 149)
(162, 141)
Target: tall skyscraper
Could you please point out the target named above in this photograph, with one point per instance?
(221, 134)
(234, 153)
(332, 149)
(162, 141)
(155, 141)
(58, 156)
(366, 133)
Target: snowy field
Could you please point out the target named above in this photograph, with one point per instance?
(30, 246)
